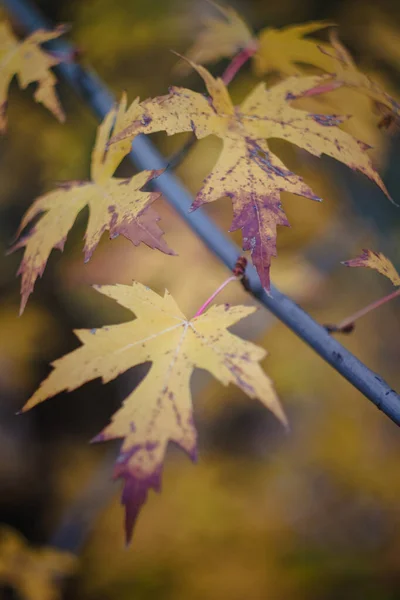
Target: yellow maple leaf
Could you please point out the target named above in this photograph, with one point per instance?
(376, 261)
(246, 171)
(159, 410)
(221, 37)
(283, 49)
(34, 573)
(29, 63)
(361, 125)
(278, 50)
(115, 204)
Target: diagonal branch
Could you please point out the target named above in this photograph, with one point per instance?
(146, 156)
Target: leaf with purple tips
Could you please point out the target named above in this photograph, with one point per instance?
(117, 205)
(159, 410)
(246, 170)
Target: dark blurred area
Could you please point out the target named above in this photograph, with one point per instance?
(312, 514)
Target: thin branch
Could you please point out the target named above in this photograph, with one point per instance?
(146, 156)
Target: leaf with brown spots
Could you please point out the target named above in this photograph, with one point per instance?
(246, 170)
(159, 410)
(33, 573)
(29, 63)
(377, 261)
(118, 205)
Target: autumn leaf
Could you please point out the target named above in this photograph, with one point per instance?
(115, 204)
(345, 73)
(246, 171)
(34, 573)
(222, 36)
(282, 50)
(377, 261)
(159, 410)
(29, 63)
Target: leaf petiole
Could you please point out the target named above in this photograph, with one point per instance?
(347, 325)
(214, 294)
(237, 63)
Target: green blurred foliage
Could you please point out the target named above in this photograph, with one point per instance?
(311, 514)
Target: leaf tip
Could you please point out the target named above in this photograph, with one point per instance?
(286, 426)
(24, 300)
(100, 437)
(134, 495)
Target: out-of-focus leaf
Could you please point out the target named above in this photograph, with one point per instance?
(35, 573)
(280, 50)
(31, 64)
(347, 74)
(222, 36)
(283, 50)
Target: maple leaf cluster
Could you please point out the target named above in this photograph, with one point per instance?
(287, 51)
(247, 171)
(160, 409)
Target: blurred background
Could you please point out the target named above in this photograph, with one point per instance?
(312, 514)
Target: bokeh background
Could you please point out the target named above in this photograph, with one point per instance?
(312, 514)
